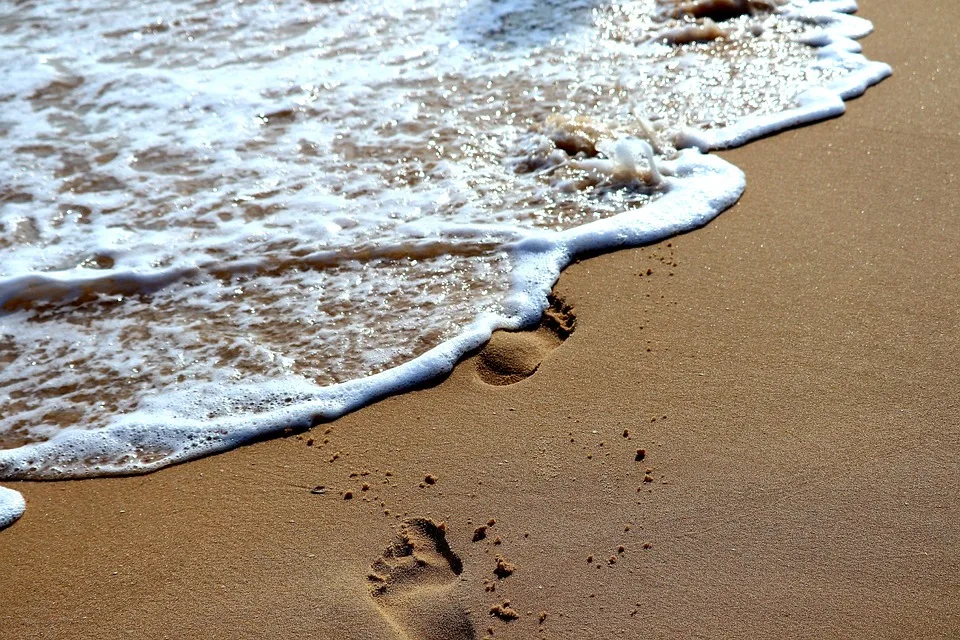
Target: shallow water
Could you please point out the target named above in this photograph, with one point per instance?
(218, 220)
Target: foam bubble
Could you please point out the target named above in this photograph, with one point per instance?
(12, 506)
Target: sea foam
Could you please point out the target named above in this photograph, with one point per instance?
(219, 223)
(12, 507)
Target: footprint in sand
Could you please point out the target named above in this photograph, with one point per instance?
(511, 356)
(413, 583)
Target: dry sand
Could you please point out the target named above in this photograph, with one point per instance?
(790, 372)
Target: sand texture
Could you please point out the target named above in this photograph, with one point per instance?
(752, 431)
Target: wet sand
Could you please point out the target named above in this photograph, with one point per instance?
(760, 438)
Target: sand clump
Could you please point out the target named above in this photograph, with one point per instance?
(504, 567)
(504, 612)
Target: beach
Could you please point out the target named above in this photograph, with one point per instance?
(752, 430)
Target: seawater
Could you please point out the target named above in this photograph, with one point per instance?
(220, 220)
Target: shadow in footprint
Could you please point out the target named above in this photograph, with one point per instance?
(511, 356)
(413, 583)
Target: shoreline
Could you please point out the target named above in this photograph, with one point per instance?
(701, 187)
(802, 481)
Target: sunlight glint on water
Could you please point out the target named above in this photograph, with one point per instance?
(220, 219)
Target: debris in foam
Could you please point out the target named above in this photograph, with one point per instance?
(705, 30)
(720, 10)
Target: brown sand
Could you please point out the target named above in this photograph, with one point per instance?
(794, 385)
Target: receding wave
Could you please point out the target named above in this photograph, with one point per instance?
(219, 222)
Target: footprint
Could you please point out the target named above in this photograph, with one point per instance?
(511, 356)
(413, 584)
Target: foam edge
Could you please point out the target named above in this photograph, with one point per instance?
(12, 506)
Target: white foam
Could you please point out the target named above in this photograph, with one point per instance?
(310, 231)
(12, 506)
